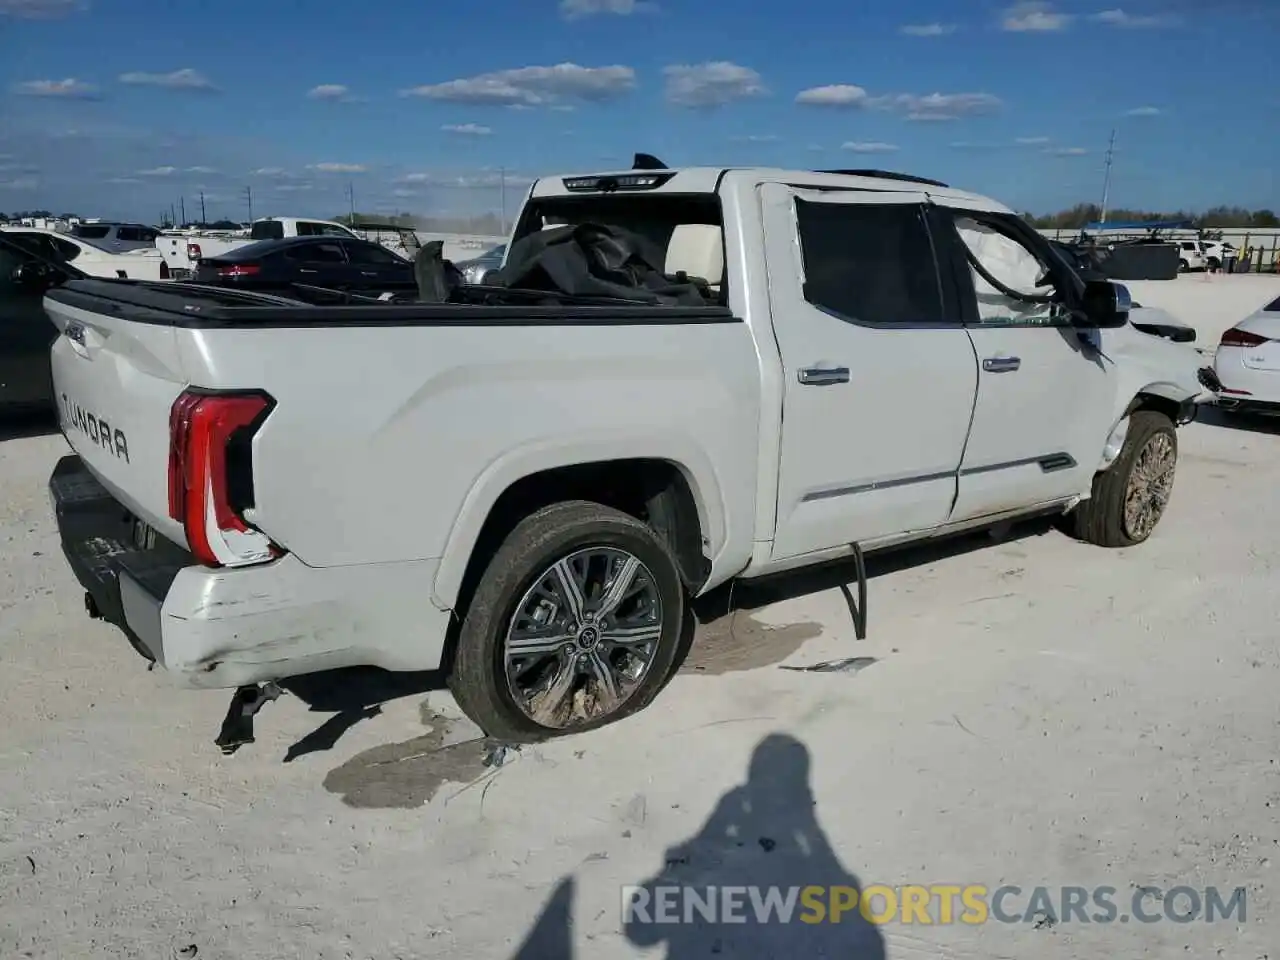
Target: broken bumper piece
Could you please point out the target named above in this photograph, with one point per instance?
(230, 628)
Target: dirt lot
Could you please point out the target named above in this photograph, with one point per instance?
(1030, 711)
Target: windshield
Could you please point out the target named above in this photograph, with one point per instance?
(90, 232)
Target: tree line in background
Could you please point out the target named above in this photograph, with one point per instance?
(1215, 217)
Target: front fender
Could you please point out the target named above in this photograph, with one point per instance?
(538, 456)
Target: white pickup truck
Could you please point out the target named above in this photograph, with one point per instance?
(181, 251)
(527, 496)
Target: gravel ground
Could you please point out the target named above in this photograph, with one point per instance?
(1029, 711)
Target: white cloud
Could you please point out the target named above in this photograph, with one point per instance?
(40, 9)
(184, 79)
(757, 138)
(158, 172)
(533, 86)
(1034, 16)
(577, 9)
(1144, 112)
(1121, 18)
(331, 92)
(20, 183)
(711, 84)
(205, 170)
(844, 95)
(124, 180)
(290, 187)
(467, 129)
(942, 106)
(1031, 141)
(868, 146)
(1066, 151)
(479, 179)
(330, 167)
(68, 89)
(927, 29)
(932, 106)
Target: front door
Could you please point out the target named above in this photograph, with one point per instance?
(1045, 391)
(878, 373)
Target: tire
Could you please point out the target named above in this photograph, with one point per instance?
(576, 532)
(1215, 263)
(1101, 519)
(1183, 266)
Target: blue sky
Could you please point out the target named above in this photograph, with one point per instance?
(121, 107)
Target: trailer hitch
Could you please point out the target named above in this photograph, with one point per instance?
(237, 726)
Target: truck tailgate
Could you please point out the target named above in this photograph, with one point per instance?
(115, 381)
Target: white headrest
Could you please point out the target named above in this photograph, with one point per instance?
(697, 249)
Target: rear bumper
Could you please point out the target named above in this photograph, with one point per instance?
(224, 628)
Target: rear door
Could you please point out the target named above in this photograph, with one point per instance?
(879, 376)
(377, 268)
(322, 263)
(115, 382)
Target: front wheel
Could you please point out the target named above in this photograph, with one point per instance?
(1129, 499)
(575, 624)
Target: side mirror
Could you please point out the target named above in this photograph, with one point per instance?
(30, 274)
(1106, 305)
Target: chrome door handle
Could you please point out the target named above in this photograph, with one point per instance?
(1001, 364)
(821, 376)
(304, 270)
(368, 273)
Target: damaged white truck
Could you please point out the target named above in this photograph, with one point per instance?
(682, 377)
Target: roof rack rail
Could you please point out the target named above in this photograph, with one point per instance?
(887, 175)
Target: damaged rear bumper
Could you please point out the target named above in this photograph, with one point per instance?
(222, 628)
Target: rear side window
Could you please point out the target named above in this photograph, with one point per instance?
(867, 263)
(1273, 306)
(66, 249)
(90, 231)
(316, 253)
(137, 234)
(267, 230)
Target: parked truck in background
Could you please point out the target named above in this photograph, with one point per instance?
(528, 497)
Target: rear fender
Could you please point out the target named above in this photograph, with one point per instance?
(536, 457)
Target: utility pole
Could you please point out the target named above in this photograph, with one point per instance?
(203, 218)
(1106, 182)
(173, 215)
(248, 196)
(351, 203)
(182, 208)
(502, 198)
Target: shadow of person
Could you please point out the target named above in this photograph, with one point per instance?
(763, 836)
(551, 938)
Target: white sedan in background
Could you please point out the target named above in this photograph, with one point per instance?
(92, 259)
(1247, 364)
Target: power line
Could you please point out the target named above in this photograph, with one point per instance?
(1106, 182)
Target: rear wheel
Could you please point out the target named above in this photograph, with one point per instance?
(1183, 266)
(575, 624)
(1130, 498)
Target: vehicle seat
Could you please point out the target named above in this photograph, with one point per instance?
(697, 250)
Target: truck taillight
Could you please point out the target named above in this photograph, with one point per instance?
(193, 251)
(211, 475)
(1241, 338)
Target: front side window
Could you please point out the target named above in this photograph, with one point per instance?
(371, 254)
(90, 231)
(1013, 283)
(869, 263)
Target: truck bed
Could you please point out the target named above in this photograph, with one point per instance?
(393, 428)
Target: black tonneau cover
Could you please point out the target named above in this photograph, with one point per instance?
(181, 304)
